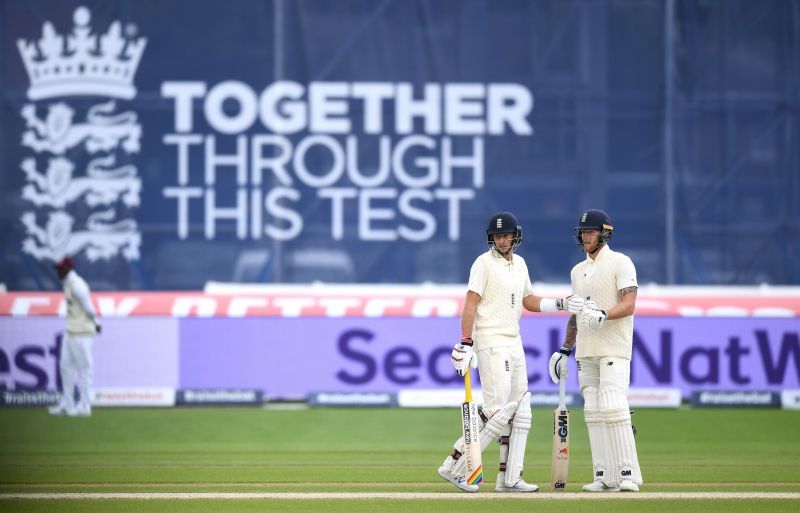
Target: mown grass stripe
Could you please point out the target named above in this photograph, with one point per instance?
(400, 496)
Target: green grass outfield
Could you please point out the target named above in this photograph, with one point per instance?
(253, 450)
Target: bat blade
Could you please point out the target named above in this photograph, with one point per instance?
(470, 427)
(560, 463)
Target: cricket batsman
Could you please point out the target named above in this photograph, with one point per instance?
(499, 287)
(603, 332)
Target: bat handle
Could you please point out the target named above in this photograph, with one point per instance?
(468, 385)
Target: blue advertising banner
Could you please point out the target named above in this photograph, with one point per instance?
(164, 145)
(138, 138)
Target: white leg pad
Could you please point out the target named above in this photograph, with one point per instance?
(598, 443)
(519, 439)
(497, 425)
(622, 445)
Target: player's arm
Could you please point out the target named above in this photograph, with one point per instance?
(626, 305)
(571, 334)
(81, 293)
(462, 356)
(468, 313)
(534, 303)
(558, 361)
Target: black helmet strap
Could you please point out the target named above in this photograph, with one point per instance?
(515, 242)
(602, 238)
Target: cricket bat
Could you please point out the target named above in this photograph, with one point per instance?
(560, 468)
(470, 426)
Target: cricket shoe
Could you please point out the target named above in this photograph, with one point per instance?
(59, 409)
(628, 485)
(599, 486)
(459, 482)
(80, 411)
(520, 487)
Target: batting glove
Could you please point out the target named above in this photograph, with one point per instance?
(558, 363)
(573, 304)
(463, 357)
(594, 317)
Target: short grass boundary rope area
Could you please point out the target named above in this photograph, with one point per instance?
(401, 496)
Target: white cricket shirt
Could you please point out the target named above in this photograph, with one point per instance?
(501, 285)
(80, 312)
(601, 279)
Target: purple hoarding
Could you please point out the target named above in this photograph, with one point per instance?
(140, 352)
(291, 357)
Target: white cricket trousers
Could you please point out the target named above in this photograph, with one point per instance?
(504, 376)
(76, 365)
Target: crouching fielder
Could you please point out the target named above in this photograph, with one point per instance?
(499, 286)
(603, 331)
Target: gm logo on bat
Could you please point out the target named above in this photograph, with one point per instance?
(563, 430)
